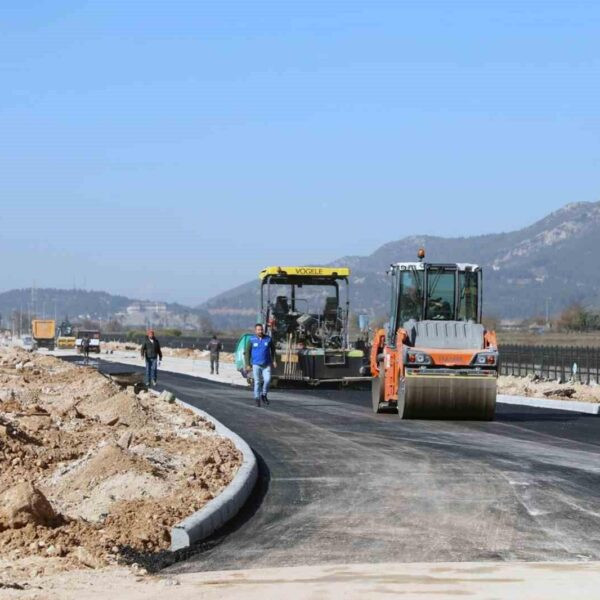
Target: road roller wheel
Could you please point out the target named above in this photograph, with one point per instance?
(378, 390)
(449, 398)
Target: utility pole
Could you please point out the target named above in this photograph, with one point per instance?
(32, 312)
(548, 312)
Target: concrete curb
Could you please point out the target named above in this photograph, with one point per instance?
(590, 408)
(226, 505)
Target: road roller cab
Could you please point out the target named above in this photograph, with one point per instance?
(435, 360)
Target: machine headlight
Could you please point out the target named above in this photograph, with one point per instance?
(487, 358)
(419, 357)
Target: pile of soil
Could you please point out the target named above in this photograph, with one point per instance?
(534, 387)
(124, 408)
(88, 471)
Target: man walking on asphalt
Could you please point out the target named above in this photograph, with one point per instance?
(260, 355)
(214, 347)
(152, 353)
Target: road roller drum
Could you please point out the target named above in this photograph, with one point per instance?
(448, 397)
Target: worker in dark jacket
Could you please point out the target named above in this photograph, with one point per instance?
(260, 356)
(152, 353)
(214, 347)
(85, 348)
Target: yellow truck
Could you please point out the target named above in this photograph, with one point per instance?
(43, 332)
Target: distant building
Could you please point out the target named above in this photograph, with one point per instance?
(147, 307)
(155, 314)
(511, 324)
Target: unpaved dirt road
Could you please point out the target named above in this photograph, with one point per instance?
(339, 484)
(409, 581)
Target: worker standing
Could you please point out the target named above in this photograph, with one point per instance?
(85, 347)
(152, 353)
(260, 356)
(214, 347)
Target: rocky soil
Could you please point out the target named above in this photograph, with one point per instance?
(89, 473)
(535, 387)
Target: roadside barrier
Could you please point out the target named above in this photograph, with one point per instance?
(564, 363)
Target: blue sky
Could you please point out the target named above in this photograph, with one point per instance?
(171, 149)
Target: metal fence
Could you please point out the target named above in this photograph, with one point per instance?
(562, 363)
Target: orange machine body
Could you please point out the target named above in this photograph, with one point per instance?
(391, 359)
(435, 360)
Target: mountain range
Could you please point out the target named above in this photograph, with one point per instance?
(75, 303)
(551, 264)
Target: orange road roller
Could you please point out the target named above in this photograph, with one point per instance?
(435, 359)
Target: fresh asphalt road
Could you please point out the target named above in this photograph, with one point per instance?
(339, 484)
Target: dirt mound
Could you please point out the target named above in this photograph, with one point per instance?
(23, 504)
(30, 445)
(90, 470)
(205, 477)
(216, 465)
(104, 477)
(100, 464)
(124, 408)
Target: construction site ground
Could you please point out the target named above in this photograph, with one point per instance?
(339, 485)
(92, 475)
(412, 581)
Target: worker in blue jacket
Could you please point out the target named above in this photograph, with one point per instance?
(260, 356)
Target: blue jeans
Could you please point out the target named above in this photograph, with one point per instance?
(151, 370)
(261, 376)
